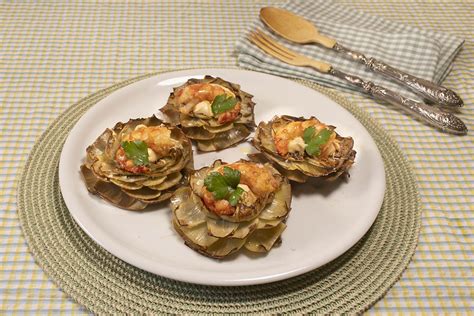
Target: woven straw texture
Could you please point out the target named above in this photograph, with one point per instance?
(54, 53)
(103, 283)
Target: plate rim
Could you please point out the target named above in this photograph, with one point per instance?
(231, 281)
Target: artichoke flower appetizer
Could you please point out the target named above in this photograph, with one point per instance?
(213, 112)
(230, 206)
(300, 148)
(138, 163)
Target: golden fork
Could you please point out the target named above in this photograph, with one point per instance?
(271, 47)
(440, 119)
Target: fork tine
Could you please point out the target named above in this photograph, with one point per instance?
(269, 50)
(275, 44)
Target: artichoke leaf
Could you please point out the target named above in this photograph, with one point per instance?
(171, 180)
(220, 228)
(224, 247)
(90, 178)
(171, 114)
(143, 193)
(132, 178)
(225, 139)
(198, 133)
(262, 240)
(154, 181)
(219, 129)
(192, 121)
(280, 205)
(245, 228)
(293, 175)
(268, 223)
(186, 211)
(196, 235)
(126, 185)
(114, 195)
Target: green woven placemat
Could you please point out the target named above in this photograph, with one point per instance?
(103, 283)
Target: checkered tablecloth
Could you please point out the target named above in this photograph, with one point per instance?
(52, 54)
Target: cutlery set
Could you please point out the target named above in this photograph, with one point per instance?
(298, 30)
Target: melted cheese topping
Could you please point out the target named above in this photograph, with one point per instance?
(256, 177)
(203, 108)
(157, 138)
(296, 145)
(189, 97)
(288, 138)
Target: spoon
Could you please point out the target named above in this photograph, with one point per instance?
(298, 30)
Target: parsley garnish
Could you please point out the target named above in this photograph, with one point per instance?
(235, 196)
(222, 104)
(225, 186)
(137, 151)
(315, 141)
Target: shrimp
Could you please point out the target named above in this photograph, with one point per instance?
(259, 179)
(256, 177)
(284, 134)
(220, 207)
(205, 93)
(199, 92)
(158, 140)
(229, 116)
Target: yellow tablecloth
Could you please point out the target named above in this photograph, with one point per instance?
(52, 54)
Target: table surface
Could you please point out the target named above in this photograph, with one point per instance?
(54, 54)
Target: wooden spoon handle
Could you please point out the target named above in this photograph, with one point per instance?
(324, 40)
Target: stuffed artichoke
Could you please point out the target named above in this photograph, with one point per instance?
(138, 163)
(213, 112)
(300, 148)
(230, 206)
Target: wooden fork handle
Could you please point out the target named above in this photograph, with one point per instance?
(319, 65)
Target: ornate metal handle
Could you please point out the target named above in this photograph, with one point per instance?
(440, 119)
(431, 91)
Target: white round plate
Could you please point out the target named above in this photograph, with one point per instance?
(324, 221)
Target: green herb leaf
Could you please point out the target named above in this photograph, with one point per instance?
(308, 134)
(235, 196)
(232, 177)
(314, 145)
(137, 151)
(215, 183)
(224, 186)
(313, 149)
(222, 104)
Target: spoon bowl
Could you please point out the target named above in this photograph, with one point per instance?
(293, 28)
